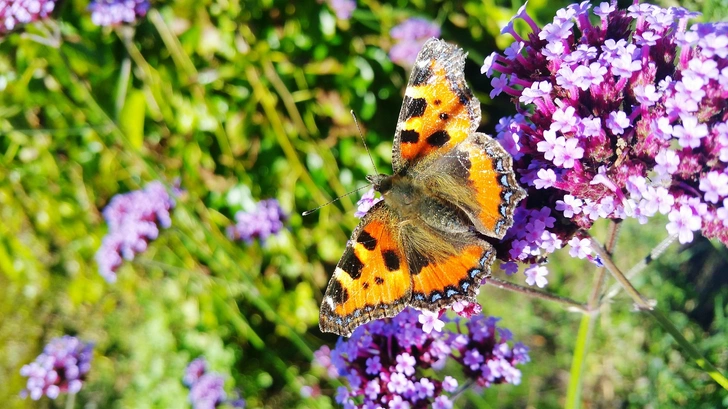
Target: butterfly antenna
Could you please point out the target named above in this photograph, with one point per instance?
(364, 142)
(307, 212)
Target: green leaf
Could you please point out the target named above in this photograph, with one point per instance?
(132, 118)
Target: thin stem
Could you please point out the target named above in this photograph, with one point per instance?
(586, 327)
(641, 302)
(569, 303)
(665, 322)
(70, 401)
(658, 251)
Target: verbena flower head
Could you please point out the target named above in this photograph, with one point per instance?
(17, 12)
(61, 368)
(384, 360)
(411, 35)
(621, 118)
(207, 389)
(343, 8)
(265, 220)
(116, 12)
(133, 219)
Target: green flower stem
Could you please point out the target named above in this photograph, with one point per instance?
(70, 401)
(641, 265)
(573, 390)
(645, 305)
(586, 328)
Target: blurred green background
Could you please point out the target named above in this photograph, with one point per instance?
(253, 101)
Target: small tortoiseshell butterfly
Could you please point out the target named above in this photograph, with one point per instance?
(423, 245)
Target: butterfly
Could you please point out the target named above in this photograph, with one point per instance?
(424, 245)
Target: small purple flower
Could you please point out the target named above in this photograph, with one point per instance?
(208, 392)
(406, 364)
(683, 222)
(134, 219)
(411, 36)
(536, 275)
(580, 248)
(343, 8)
(194, 371)
(116, 12)
(207, 389)
(265, 220)
(366, 202)
(61, 368)
(430, 321)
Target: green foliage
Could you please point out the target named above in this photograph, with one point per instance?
(244, 102)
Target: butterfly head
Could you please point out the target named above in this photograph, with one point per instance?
(382, 183)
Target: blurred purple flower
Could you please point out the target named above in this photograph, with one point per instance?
(383, 359)
(366, 202)
(343, 8)
(623, 118)
(207, 389)
(61, 368)
(411, 35)
(115, 12)
(208, 392)
(265, 220)
(194, 371)
(16, 12)
(133, 219)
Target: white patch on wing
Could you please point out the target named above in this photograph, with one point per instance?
(330, 301)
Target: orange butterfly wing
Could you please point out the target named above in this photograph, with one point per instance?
(372, 279)
(482, 166)
(439, 283)
(438, 110)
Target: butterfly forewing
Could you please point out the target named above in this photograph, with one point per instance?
(371, 280)
(438, 110)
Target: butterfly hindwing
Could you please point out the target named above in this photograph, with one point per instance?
(477, 175)
(438, 283)
(438, 110)
(372, 278)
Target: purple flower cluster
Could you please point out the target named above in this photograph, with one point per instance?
(622, 118)
(61, 368)
(115, 12)
(134, 219)
(15, 12)
(384, 359)
(265, 220)
(411, 36)
(343, 8)
(207, 389)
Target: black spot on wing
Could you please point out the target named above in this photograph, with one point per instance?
(338, 293)
(409, 136)
(464, 94)
(365, 285)
(414, 107)
(420, 76)
(379, 280)
(351, 264)
(391, 260)
(366, 240)
(438, 138)
(444, 116)
(417, 262)
(460, 165)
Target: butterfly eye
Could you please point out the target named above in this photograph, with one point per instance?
(385, 184)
